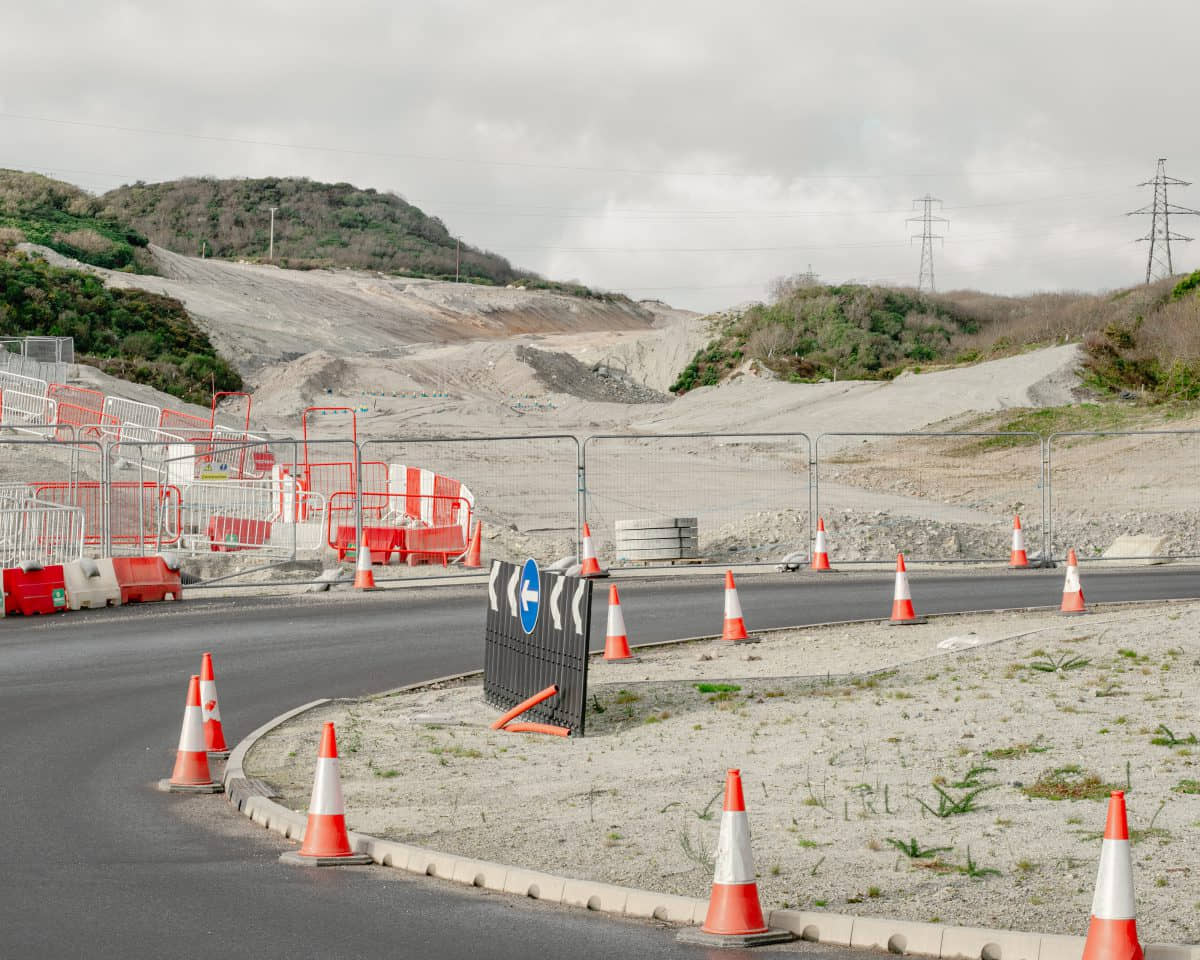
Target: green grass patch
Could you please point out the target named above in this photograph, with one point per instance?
(718, 687)
(1069, 783)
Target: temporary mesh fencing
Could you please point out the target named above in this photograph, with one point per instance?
(1107, 484)
(740, 498)
(932, 496)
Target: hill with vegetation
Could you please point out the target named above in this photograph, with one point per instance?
(1143, 340)
(316, 225)
(64, 218)
(132, 334)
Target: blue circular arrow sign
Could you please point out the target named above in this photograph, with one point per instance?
(529, 595)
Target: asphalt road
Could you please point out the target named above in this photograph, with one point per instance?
(94, 862)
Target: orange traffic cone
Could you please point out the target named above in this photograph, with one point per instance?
(472, 558)
(820, 558)
(902, 607)
(591, 566)
(214, 736)
(735, 626)
(1112, 932)
(616, 644)
(1018, 557)
(326, 842)
(735, 916)
(1072, 600)
(364, 576)
(191, 774)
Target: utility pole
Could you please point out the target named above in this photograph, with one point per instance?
(1158, 264)
(927, 236)
(271, 248)
(457, 258)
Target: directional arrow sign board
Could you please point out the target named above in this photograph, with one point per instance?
(537, 632)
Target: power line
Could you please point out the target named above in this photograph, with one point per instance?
(1158, 263)
(927, 236)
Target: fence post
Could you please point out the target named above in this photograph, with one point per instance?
(358, 500)
(814, 493)
(1047, 507)
(580, 493)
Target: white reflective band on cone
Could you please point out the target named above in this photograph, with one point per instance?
(616, 621)
(820, 547)
(734, 862)
(327, 788)
(1018, 539)
(589, 551)
(1072, 582)
(902, 586)
(1114, 882)
(208, 694)
(191, 736)
(733, 606)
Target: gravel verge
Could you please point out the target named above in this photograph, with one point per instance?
(837, 767)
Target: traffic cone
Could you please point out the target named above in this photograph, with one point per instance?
(734, 916)
(1018, 558)
(820, 558)
(902, 607)
(1072, 600)
(472, 558)
(734, 627)
(591, 566)
(191, 774)
(1112, 931)
(214, 736)
(616, 644)
(364, 576)
(326, 842)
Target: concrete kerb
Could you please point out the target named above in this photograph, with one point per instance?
(895, 936)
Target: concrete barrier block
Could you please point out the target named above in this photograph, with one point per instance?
(1055, 947)
(537, 886)
(603, 897)
(480, 873)
(897, 936)
(647, 905)
(388, 853)
(836, 928)
(972, 943)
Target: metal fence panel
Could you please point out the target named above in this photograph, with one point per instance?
(1108, 484)
(946, 497)
(749, 493)
(34, 531)
(51, 471)
(523, 489)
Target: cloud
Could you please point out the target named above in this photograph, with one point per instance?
(693, 149)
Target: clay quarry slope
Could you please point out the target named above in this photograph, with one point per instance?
(259, 315)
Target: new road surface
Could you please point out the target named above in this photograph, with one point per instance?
(94, 862)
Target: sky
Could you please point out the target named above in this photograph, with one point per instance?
(687, 151)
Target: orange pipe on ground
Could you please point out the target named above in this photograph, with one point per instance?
(524, 705)
(548, 728)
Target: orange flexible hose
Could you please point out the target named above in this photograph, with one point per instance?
(524, 705)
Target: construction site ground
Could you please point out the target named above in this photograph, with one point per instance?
(957, 773)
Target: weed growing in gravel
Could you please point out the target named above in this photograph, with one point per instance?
(976, 872)
(626, 696)
(1060, 664)
(456, 750)
(718, 687)
(1167, 738)
(971, 780)
(1069, 783)
(1017, 750)
(1187, 786)
(914, 851)
(950, 806)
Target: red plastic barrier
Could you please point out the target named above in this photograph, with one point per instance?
(38, 591)
(381, 541)
(427, 544)
(229, 534)
(146, 579)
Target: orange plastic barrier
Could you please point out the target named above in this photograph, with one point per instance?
(427, 544)
(34, 591)
(381, 541)
(229, 534)
(146, 579)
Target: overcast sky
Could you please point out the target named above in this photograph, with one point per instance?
(678, 149)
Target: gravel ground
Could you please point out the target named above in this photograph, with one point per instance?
(840, 770)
